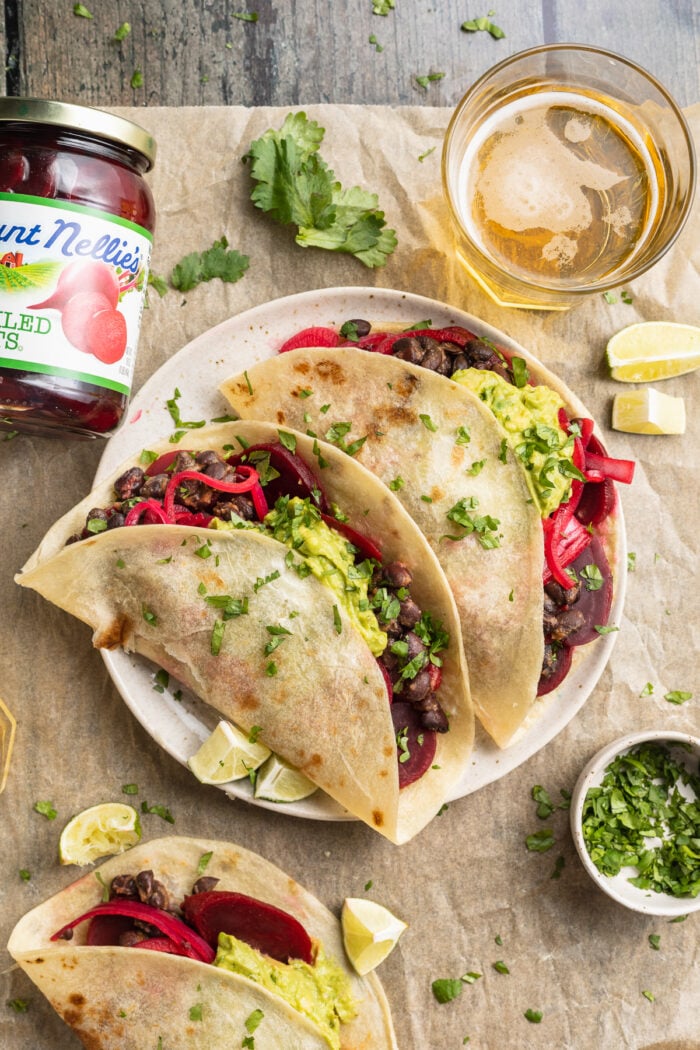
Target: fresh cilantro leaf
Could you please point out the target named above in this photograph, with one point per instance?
(373, 40)
(610, 297)
(533, 1016)
(245, 16)
(294, 185)
(81, 11)
(196, 1012)
(648, 690)
(137, 79)
(383, 7)
(215, 262)
(500, 967)
(204, 862)
(655, 941)
(122, 31)
(592, 576)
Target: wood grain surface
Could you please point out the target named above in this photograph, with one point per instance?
(201, 52)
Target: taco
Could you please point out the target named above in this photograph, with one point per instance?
(188, 942)
(496, 462)
(291, 592)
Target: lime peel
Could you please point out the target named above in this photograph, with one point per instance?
(99, 831)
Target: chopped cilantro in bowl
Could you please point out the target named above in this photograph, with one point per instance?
(635, 820)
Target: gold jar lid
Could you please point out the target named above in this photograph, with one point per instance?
(86, 119)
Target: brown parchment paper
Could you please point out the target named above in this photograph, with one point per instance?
(468, 879)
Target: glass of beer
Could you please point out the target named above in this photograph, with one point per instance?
(567, 170)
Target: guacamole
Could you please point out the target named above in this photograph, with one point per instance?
(298, 524)
(529, 418)
(321, 992)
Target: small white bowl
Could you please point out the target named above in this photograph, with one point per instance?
(618, 887)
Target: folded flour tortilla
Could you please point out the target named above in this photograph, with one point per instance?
(130, 999)
(326, 709)
(421, 433)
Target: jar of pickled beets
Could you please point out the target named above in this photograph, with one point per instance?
(76, 227)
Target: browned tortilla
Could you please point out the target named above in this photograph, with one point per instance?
(326, 709)
(128, 998)
(409, 420)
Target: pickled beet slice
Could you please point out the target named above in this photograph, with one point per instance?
(597, 502)
(263, 926)
(420, 743)
(295, 477)
(364, 544)
(188, 942)
(562, 666)
(309, 337)
(107, 929)
(595, 605)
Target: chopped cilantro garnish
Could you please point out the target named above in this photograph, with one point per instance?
(383, 7)
(196, 1012)
(424, 81)
(655, 941)
(533, 1016)
(427, 422)
(592, 577)
(81, 11)
(130, 789)
(677, 696)
(483, 24)
(149, 616)
(24, 874)
(137, 79)
(161, 679)
(540, 841)
(46, 809)
(245, 16)
(558, 867)
(217, 637)
(122, 31)
(638, 801)
(422, 156)
(445, 989)
(519, 368)
(500, 967)
(159, 811)
(648, 690)
(20, 1006)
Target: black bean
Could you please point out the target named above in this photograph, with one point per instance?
(409, 613)
(362, 328)
(436, 360)
(144, 884)
(97, 514)
(154, 487)
(409, 349)
(123, 886)
(415, 645)
(434, 718)
(204, 884)
(183, 461)
(116, 520)
(417, 688)
(397, 574)
(129, 483)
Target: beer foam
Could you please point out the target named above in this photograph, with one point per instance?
(532, 180)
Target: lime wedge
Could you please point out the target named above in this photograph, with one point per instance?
(8, 725)
(370, 932)
(227, 754)
(651, 350)
(100, 831)
(648, 411)
(277, 781)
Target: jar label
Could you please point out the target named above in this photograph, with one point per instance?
(72, 287)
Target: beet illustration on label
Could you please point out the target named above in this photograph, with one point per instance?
(87, 296)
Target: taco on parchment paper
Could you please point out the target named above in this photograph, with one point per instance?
(201, 944)
(329, 627)
(495, 460)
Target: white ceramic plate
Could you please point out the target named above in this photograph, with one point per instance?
(179, 725)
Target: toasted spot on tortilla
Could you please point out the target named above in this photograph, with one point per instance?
(114, 635)
(332, 371)
(457, 456)
(388, 751)
(396, 414)
(316, 760)
(377, 818)
(249, 702)
(302, 366)
(280, 416)
(77, 999)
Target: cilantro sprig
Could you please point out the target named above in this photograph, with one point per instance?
(295, 186)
